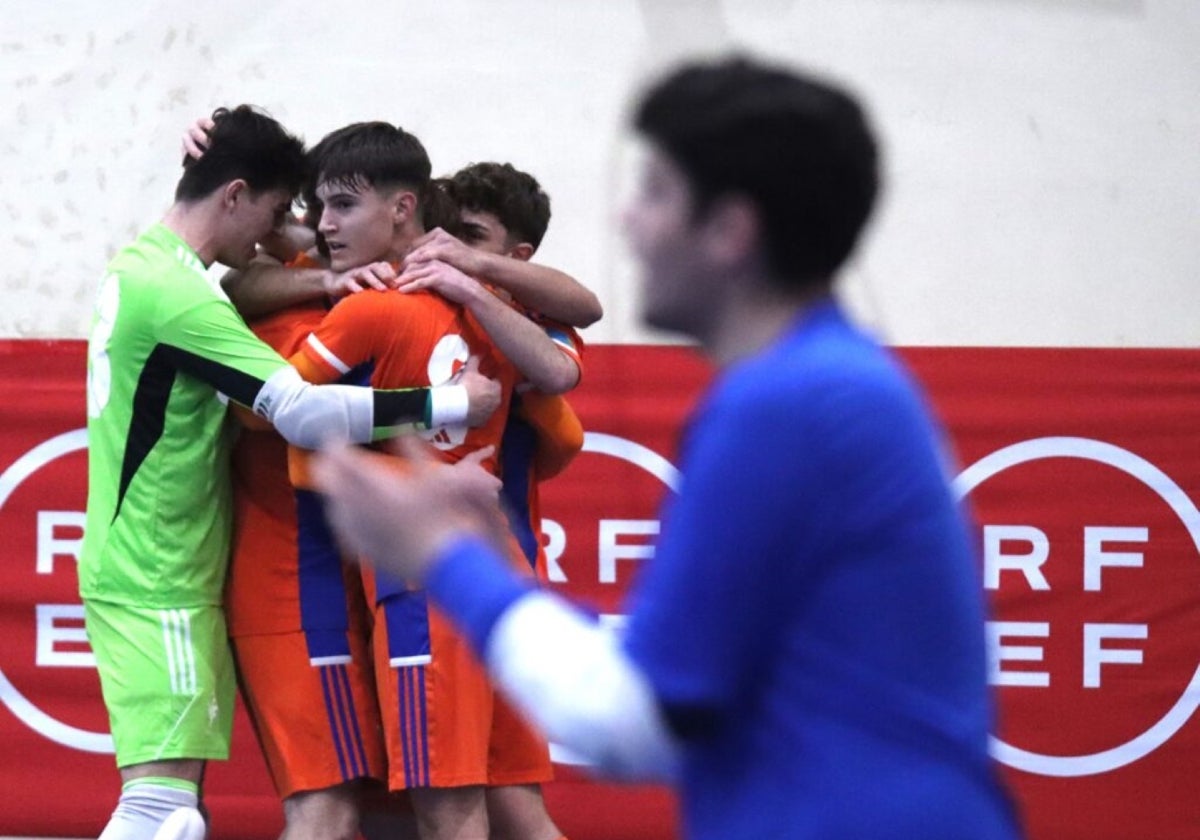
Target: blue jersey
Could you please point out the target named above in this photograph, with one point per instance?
(812, 622)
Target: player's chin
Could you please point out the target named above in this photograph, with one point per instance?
(237, 258)
(340, 259)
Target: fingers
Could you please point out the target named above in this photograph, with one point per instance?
(472, 366)
(415, 277)
(340, 468)
(380, 276)
(414, 450)
(478, 456)
(195, 138)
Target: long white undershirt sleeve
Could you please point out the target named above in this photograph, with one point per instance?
(572, 679)
(309, 415)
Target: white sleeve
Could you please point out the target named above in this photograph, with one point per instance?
(310, 415)
(572, 679)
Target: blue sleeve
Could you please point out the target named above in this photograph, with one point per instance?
(474, 585)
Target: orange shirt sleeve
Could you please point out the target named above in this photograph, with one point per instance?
(345, 338)
(559, 432)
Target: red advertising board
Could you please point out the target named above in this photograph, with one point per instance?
(1079, 466)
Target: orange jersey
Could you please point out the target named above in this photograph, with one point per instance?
(443, 724)
(298, 630)
(262, 594)
(394, 340)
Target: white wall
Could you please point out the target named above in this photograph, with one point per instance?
(1043, 155)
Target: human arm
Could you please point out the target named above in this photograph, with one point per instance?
(267, 286)
(557, 430)
(523, 342)
(547, 290)
(566, 673)
(201, 335)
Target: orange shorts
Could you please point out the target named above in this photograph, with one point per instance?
(444, 725)
(318, 725)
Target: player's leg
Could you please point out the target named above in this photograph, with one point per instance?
(435, 703)
(317, 724)
(519, 763)
(327, 814)
(452, 813)
(387, 815)
(518, 812)
(183, 824)
(167, 680)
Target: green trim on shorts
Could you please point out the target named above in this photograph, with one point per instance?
(167, 678)
(163, 781)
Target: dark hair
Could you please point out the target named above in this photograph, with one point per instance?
(512, 196)
(243, 143)
(800, 149)
(440, 209)
(375, 154)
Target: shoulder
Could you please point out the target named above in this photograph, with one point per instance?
(372, 302)
(825, 381)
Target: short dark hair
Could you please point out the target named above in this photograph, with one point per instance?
(439, 209)
(800, 149)
(375, 154)
(512, 196)
(244, 143)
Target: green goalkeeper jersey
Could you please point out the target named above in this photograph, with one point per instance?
(166, 349)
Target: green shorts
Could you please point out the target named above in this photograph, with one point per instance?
(167, 678)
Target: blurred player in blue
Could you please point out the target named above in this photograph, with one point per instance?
(805, 654)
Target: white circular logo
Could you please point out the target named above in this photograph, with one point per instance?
(21, 706)
(1183, 507)
(634, 453)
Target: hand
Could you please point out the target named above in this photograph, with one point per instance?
(195, 138)
(286, 242)
(439, 245)
(400, 521)
(473, 463)
(483, 394)
(440, 277)
(376, 275)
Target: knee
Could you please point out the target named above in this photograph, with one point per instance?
(320, 815)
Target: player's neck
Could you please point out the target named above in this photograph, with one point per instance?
(193, 223)
(755, 318)
(404, 240)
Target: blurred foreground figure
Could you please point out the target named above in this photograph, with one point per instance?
(805, 654)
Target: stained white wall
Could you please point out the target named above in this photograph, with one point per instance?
(1043, 155)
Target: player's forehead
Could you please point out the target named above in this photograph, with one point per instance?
(483, 221)
(328, 188)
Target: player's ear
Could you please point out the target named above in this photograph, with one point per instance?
(732, 229)
(233, 192)
(404, 206)
(521, 251)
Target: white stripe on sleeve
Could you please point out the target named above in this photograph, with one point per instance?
(326, 354)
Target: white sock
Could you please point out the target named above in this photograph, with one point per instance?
(183, 824)
(142, 810)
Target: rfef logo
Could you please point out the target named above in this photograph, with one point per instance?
(1081, 543)
(47, 676)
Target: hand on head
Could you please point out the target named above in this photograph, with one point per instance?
(195, 138)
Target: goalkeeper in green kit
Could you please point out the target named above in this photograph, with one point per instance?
(167, 353)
